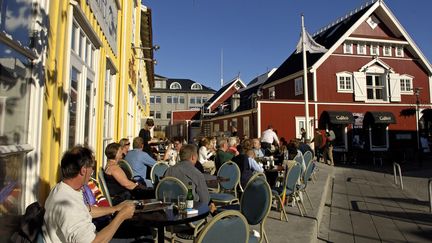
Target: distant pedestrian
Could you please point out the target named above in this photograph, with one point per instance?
(302, 135)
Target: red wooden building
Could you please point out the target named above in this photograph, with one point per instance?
(369, 87)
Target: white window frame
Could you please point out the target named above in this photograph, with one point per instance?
(397, 49)
(152, 99)
(374, 50)
(158, 98)
(348, 48)
(175, 85)
(108, 132)
(83, 62)
(375, 87)
(359, 50)
(196, 86)
(387, 51)
(169, 99)
(298, 86)
(403, 78)
(344, 76)
(300, 122)
(246, 128)
(272, 93)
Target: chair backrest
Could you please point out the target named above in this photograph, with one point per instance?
(125, 166)
(230, 226)
(170, 184)
(158, 170)
(256, 200)
(293, 176)
(308, 156)
(308, 173)
(104, 186)
(257, 175)
(229, 170)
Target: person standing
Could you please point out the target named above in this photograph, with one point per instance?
(329, 146)
(302, 135)
(268, 138)
(146, 135)
(318, 144)
(67, 217)
(139, 161)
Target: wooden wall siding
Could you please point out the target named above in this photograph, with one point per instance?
(381, 31)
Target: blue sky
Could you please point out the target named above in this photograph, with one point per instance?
(255, 35)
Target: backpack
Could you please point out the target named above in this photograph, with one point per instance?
(30, 225)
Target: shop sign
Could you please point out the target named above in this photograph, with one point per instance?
(384, 118)
(106, 12)
(342, 118)
(358, 120)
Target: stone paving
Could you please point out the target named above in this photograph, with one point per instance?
(366, 206)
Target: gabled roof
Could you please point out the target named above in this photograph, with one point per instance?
(185, 84)
(334, 35)
(223, 90)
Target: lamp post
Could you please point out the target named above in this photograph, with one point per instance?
(417, 91)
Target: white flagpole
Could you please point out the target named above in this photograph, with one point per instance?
(305, 81)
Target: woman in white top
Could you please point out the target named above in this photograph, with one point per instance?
(204, 154)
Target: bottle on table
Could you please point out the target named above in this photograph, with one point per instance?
(189, 197)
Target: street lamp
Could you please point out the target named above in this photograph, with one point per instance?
(154, 48)
(417, 91)
(147, 60)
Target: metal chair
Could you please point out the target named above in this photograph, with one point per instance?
(307, 156)
(227, 227)
(289, 188)
(171, 184)
(124, 165)
(157, 171)
(228, 170)
(104, 186)
(305, 179)
(255, 205)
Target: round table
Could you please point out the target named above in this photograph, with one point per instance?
(167, 217)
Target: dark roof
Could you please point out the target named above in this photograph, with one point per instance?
(326, 38)
(246, 98)
(185, 84)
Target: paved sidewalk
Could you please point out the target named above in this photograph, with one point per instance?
(366, 206)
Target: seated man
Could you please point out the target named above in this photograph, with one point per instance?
(67, 217)
(222, 154)
(186, 172)
(259, 152)
(139, 160)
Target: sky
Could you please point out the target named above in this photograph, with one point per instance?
(254, 35)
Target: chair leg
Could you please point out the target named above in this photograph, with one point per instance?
(307, 195)
(281, 208)
(297, 200)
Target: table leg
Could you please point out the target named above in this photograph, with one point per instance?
(161, 234)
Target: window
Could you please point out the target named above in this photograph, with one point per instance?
(246, 126)
(152, 99)
(375, 87)
(130, 114)
(182, 100)
(348, 48)
(108, 130)
(387, 51)
(158, 114)
(399, 51)
(406, 84)
(361, 49)
(344, 82)
(204, 100)
(374, 50)
(298, 83)
(272, 93)
(158, 85)
(158, 99)
(175, 85)
(175, 99)
(169, 99)
(134, 20)
(373, 22)
(198, 100)
(168, 115)
(196, 86)
(152, 113)
(192, 100)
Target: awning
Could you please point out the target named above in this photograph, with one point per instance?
(338, 117)
(380, 117)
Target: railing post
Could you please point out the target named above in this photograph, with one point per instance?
(400, 174)
(430, 194)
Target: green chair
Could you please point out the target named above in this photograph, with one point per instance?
(104, 186)
(157, 171)
(227, 227)
(124, 165)
(227, 190)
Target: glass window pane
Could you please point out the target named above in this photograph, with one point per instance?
(369, 80)
(370, 93)
(16, 19)
(73, 99)
(88, 110)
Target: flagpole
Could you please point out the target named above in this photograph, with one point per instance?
(305, 81)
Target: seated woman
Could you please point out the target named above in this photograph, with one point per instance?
(119, 186)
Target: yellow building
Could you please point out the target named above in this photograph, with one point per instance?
(96, 88)
(77, 73)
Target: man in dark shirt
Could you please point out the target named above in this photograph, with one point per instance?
(222, 154)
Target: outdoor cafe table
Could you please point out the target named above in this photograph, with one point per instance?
(272, 174)
(213, 181)
(166, 217)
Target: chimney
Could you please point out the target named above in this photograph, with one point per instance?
(235, 102)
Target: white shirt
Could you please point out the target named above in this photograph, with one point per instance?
(268, 136)
(203, 154)
(67, 218)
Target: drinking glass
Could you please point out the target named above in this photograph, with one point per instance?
(167, 196)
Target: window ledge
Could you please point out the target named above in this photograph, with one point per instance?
(345, 91)
(6, 150)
